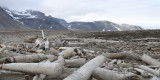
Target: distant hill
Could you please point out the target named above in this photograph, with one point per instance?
(102, 26)
(38, 20)
(8, 23)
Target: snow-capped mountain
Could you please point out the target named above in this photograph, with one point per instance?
(38, 20)
(101, 26)
(7, 23)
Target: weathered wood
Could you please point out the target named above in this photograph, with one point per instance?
(104, 74)
(150, 70)
(84, 72)
(142, 72)
(9, 54)
(71, 39)
(115, 55)
(132, 55)
(4, 72)
(42, 34)
(64, 48)
(28, 58)
(66, 72)
(46, 44)
(53, 51)
(73, 63)
(149, 60)
(2, 50)
(39, 77)
(60, 60)
(55, 69)
(68, 53)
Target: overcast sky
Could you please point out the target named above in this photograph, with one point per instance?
(145, 13)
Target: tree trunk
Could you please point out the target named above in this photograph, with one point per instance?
(68, 53)
(115, 55)
(55, 69)
(150, 70)
(104, 74)
(75, 63)
(29, 58)
(150, 60)
(84, 72)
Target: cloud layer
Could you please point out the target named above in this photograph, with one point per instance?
(138, 12)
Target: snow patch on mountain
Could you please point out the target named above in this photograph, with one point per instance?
(118, 29)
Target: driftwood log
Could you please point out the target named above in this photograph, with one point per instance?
(142, 72)
(104, 74)
(149, 60)
(43, 76)
(84, 72)
(73, 63)
(129, 54)
(115, 55)
(4, 72)
(28, 58)
(68, 52)
(150, 70)
(55, 69)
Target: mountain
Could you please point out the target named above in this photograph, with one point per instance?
(37, 20)
(7, 22)
(101, 26)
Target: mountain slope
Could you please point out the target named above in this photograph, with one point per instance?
(37, 20)
(7, 22)
(101, 26)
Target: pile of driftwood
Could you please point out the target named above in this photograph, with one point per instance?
(40, 61)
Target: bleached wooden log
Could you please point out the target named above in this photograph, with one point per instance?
(88, 51)
(54, 69)
(29, 58)
(150, 70)
(76, 44)
(46, 44)
(39, 77)
(42, 34)
(60, 60)
(84, 72)
(73, 63)
(155, 78)
(38, 42)
(2, 50)
(64, 48)
(4, 72)
(68, 53)
(42, 76)
(58, 43)
(66, 72)
(132, 55)
(142, 72)
(53, 51)
(71, 39)
(114, 55)
(104, 74)
(150, 60)
(111, 64)
(7, 53)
